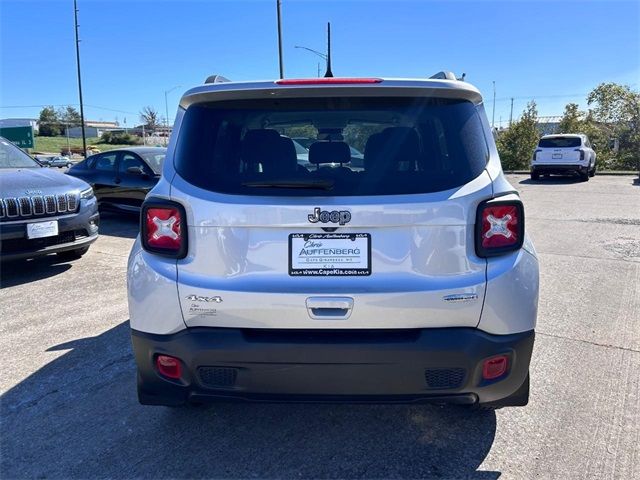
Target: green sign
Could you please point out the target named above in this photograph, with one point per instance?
(21, 136)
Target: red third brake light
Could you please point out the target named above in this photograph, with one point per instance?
(499, 227)
(163, 231)
(326, 80)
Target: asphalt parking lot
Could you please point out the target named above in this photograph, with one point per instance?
(69, 408)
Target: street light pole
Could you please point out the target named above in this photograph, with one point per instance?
(84, 138)
(493, 115)
(325, 56)
(320, 54)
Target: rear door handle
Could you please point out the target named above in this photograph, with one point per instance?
(329, 308)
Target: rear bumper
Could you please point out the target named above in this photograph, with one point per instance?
(559, 169)
(442, 365)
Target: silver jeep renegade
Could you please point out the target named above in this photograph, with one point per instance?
(333, 239)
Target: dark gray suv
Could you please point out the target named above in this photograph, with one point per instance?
(43, 211)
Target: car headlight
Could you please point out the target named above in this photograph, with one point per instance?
(87, 194)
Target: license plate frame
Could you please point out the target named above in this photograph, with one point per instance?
(556, 156)
(315, 263)
(42, 229)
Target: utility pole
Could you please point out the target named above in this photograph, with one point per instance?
(166, 111)
(493, 115)
(511, 114)
(68, 143)
(84, 137)
(280, 39)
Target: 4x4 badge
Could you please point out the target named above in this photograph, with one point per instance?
(341, 217)
(198, 298)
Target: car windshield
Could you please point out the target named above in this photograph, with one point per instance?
(154, 160)
(410, 145)
(559, 142)
(12, 157)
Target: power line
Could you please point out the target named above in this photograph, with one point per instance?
(69, 105)
(532, 97)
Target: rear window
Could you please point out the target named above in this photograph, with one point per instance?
(559, 142)
(408, 145)
(154, 160)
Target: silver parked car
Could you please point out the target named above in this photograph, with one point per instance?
(60, 162)
(410, 278)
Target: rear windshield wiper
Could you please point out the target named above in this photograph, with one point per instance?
(293, 183)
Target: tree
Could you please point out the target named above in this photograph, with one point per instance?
(614, 103)
(517, 143)
(572, 120)
(70, 116)
(616, 108)
(149, 116)
(119, 138)
(49, 123)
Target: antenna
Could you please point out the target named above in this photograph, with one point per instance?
(328, 73)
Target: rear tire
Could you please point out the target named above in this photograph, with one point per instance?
(584, 176)
(592, 172)
(535, 175)
(73, 254)
(519, 398)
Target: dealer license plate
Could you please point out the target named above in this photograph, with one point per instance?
(42, 229)
(330, 254)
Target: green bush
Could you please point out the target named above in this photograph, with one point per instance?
(119, 138)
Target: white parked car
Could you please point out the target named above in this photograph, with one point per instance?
(410, 278)
(564, 154)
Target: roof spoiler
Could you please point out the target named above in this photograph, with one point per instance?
(216, 79)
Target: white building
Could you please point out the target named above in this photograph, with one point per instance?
(93, 129)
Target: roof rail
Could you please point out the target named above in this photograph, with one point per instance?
(444, 75)
(216, 79)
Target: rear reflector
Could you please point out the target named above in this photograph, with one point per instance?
(163, 229)
(499, 227)
(326, 81)
(495, 367)
(169, 367)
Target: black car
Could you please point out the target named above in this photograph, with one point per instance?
(42, 211)
(121, 178)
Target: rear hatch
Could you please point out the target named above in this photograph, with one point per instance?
(279, 242)
(560, 150)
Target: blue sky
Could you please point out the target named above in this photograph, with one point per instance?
(133, 51)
